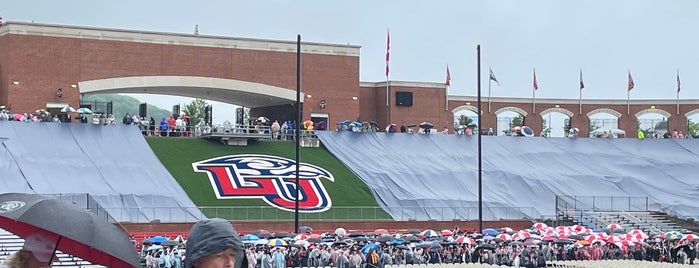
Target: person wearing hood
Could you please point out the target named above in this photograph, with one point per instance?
(214, 243)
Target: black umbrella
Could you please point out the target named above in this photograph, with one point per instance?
(426, 125)
(77, 231)
(485, 246)
(384, 238)
(315, 240)
(411, 238)
(356, 234)
(564, 241)
(282, 235)
(414, 231)
(169, 243)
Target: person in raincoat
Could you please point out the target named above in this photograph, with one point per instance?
(641, 136)
(214, 243)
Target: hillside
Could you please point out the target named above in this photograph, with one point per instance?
(348, 193)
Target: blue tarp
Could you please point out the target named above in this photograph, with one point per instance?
(418, 176)
(112, 163)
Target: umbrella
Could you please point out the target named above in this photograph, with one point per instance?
(356, 234)
(614, 226)
(168, 243)
(673, 235)
(322, 125)
(277, 242)
(262, 233)
(305, 228)
(308, 122)
(411, 238)
(282, 235)
(301, 237)
(369, 247)
(384, 238)
(356, 124)
(302, 243)
(397, 242)
(426, 125)
(158, 239)
(564, 241)
(429, 233)
(263, 119)
(380, 231)
(77, 231)
(18, 117)
(341, 231)
(315, 240)
(582, 242)
(414, 231)
(447, 232)
(250, 237)
(690, 237)
(464, 240)
(539, 226)
(67, 109)
(84, 110)
(155, 247)
(261, 242)
(146, 242)
(485, 246)
(411, 125)
(490, 231)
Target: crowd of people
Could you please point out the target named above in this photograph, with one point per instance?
(532, 247)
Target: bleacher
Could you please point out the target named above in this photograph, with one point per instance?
(10, 243)
(647, 221)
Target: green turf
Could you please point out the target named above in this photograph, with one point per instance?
(351, 198)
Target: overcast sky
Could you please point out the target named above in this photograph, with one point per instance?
(606, 39)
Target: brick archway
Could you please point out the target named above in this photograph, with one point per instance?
(511, 109)
(465, 108)
(653, 111)
(691, 113)
(557, 110)
(604, 110)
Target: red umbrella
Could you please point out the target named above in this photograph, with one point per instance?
(380, 231)
(540, 225)
(447, 232)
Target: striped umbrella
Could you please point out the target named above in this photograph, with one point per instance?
(429, 233)
(614, 226)
(447, 232)
(505, 237)
(301, 237)
(464, 240)
(673, 235)
(690, 237)
(539, 226)
(277, 242)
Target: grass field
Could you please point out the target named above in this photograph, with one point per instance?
(351, 198)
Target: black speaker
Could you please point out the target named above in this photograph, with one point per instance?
(110, 108)
(208, 115)
(239, 115)
(176, 110)
(404, 98)
(143, 110)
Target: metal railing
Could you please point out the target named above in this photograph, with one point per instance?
(336, 213)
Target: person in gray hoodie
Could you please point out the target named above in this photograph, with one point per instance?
(214, 243)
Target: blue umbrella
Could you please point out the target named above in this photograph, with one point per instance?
(491, 231)
(305, 228)
(158, 239)
(357, 124)
(250, 237)
(369, 247)
(397, 242)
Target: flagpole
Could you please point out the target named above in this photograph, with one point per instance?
(580, 101)
(534, 86)
(581, 88)
(628, 106)
(480, 161)
(446, 98)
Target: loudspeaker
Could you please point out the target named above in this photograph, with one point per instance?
(404, 98)
(208, 115)
(176, 110)
(110, 107)
(143, 110)
(239, 116)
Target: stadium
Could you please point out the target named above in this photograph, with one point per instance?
(360, 181)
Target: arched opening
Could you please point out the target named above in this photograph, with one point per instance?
(604, 118)
(508, 118)
(653, 123)
(554, 122)
(466, 116)
(693, 123)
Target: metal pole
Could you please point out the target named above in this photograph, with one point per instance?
(298, 130)
(480, 171)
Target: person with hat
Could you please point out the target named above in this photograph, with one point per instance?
(214, 243)
(37, 251)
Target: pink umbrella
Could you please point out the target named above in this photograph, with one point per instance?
(521, 235)
(507, 230)
(464, 240)
(447, 233)
(539, 226)
(550, 238)
(505, 237)
(301, 237)
(18, 117)
(690, 237)
(614, 226)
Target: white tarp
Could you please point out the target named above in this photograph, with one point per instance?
(112, 163)
(424, 175)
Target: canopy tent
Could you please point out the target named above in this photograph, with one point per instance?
(609, 130)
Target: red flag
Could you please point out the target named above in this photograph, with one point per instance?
(535, 84)
(631, 84)
(448, 77)
(388, 47)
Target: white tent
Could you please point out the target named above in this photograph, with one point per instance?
(609, 130)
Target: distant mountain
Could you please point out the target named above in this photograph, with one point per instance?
(122, 105)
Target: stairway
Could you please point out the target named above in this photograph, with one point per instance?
(647, 221)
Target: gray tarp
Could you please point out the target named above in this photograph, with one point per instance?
(112, 163)
(417, 176)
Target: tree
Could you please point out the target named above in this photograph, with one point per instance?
(196, 110)
(693, 128)
(123, 104)
(517, 121)
(465, 120)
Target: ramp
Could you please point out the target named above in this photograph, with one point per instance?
(112, 163)
(435, 176)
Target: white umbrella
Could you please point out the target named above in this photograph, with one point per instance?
(68, 109)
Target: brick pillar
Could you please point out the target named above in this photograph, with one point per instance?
(582, 122)
(534, 122)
